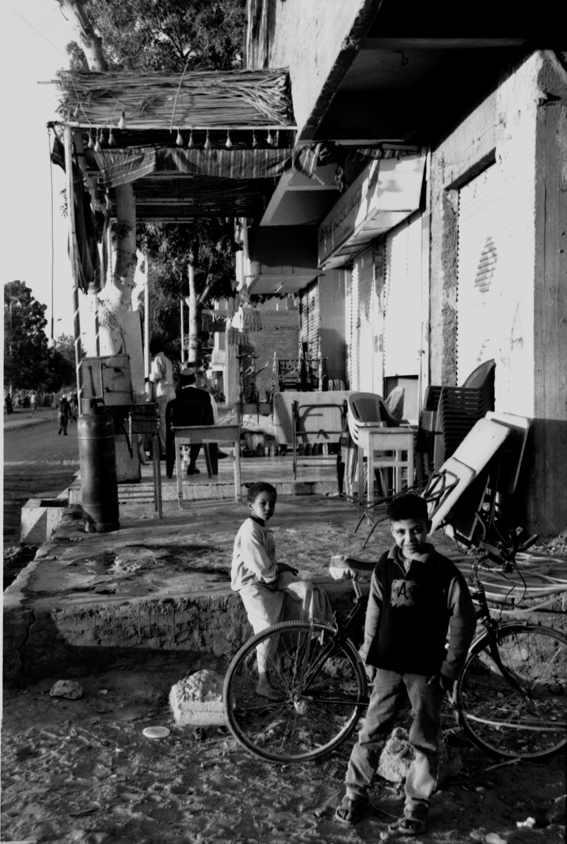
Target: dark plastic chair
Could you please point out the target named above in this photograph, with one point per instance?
(449, 413)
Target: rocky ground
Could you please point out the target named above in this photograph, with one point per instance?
(82, 771)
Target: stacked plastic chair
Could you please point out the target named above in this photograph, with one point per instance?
(449, 413)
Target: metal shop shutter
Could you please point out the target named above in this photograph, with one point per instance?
(309, 319)
(364, 336)
(478, 282)
(353, 349)
(402, 301)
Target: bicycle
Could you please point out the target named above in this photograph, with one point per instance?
(510, 699)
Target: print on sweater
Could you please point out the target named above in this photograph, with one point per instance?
(404, 593)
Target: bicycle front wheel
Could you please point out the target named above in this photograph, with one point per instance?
(321, 690)
(519, 709)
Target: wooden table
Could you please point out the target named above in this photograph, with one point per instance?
(199, 435)
(390, 442)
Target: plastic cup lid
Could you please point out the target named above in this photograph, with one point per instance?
(156, 732)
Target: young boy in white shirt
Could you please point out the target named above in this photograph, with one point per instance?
(270, 591)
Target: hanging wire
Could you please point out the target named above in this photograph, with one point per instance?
(52, 223)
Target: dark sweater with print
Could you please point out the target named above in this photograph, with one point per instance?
(410, 613)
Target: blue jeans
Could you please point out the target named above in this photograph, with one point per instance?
(389, 695)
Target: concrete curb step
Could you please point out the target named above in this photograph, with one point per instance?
(51, 637)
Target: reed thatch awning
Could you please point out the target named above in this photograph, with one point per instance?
(240, 99)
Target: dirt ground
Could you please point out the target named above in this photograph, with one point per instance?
(82, 771)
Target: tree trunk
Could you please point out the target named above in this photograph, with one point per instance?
(88, 39)
(195, 311)
(119, 329)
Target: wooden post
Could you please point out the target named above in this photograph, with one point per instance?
(73, 257)
(182, 332)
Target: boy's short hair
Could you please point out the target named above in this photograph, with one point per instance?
(407, 506)
(261, 486)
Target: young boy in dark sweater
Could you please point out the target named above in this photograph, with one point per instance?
(417, 596)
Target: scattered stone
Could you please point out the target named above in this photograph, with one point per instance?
(69, 689)
(529, 823)
(557, 813)
(398, 755)
(197, 700)
(494, 838)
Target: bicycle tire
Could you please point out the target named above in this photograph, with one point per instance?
(322, 685)
(500, 719)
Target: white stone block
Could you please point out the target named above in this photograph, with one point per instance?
(197, 700)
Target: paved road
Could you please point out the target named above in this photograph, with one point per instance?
(37, 464)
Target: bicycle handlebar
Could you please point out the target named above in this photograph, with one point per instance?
(342, 565)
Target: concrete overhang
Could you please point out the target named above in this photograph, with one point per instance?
(300, 200)
(280, 260)
(383, 196)
(356, 83)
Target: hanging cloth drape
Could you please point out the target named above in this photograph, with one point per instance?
(119, 167)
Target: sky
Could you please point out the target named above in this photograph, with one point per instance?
(33, 36)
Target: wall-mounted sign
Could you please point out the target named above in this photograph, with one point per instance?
(384, 194)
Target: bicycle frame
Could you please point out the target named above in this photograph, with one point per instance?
(340, 636)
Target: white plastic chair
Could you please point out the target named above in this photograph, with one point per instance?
(364, 408)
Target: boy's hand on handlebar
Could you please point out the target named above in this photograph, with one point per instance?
(370, 672)
(284, 567)
(446, 683)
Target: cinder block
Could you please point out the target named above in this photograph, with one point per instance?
(39, 518)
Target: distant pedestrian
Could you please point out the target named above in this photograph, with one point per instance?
(9, 408)
(33, 401)
(74, 402)
(63, 415)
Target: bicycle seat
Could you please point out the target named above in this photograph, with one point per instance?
(347, 565)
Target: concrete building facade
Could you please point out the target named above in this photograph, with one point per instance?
(438, 208)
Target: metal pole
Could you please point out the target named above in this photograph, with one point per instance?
(182, 332)
(147, 361)
(72, 256)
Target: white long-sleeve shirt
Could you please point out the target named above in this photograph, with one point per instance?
(161, 374)
(254, 556)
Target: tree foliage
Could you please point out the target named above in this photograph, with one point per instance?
(167, 35)
(26, 354)
(62, 364)
(209, 242)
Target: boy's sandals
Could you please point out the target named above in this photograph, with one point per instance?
(267, 691)
(412, 823)
(350, 810)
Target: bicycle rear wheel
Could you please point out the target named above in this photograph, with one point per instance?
(523, 715)
(321, 686)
